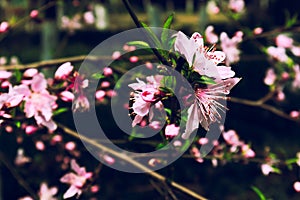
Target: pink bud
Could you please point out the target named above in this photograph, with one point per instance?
(105, 84)
(203, 141)
(95, 188)
(30, 129)
(284, 41)
(111, 93)
(153, 162)
(134, 59)
(116, 55)
(30, 72)
(67, 96)
(177, 143)
(4, 27)
(5, 84)
(257, 31)
(56, 138)
(63, 71)
(34, 13)
(107, 71)
(70, 146)
(171, 130)
(39, 145)
(285, 76)
(149, 65)
(294, 114)
(108, 159)
(9, 129)
(297, 186)
(100, 94)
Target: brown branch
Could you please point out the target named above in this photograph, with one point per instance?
(17, 176)
(132, 162)
(260, 103)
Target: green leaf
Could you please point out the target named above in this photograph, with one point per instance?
(168, 111)
(206, 80)
(165, 33)
(258, 192)
(152, 36)
(18, 124)
(185, 146)
(291, 161)
(97, 76)
(140, 44)
(169, 82)
(59, 111)
(18, 75)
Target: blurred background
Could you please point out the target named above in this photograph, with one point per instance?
(71, 28)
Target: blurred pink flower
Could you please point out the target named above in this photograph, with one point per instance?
(229, 46)
(171, 130)
(247, 152)
(67, 96)
(270, 77)
(236, 5)
(81, 103)
(296, 82)
(296, 186)
(71, 24)
(29, 73)
(211, 37)
(4, 26)
(107, 71)
(21, 159)
(39, 145)
(284, 41)
(296, 50)
(34, 13)
(75, 180)
(63, 71)
(266, 169)
(212, 8)
(258, 30)
(5, 74)
(100, 94)
(89, 17)
(277, 53)
(46, 193)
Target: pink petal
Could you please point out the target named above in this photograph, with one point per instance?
(39, 83)
(5, 74)
(71, 192)
(30, 72)
(63, 71)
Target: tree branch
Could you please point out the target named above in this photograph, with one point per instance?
(131, 161)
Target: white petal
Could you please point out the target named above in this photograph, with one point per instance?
(192, 121)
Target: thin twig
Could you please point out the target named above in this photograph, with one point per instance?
(132, 162)
(17, 176)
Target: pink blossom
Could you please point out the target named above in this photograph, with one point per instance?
(30, 129)
(34, 13)
(39, 145)
(277, 53)
(39, 103)
(206, 107)
(196, 153)
(203, 141)
(296, 82)
(29, 73)
(5, 74)
(81, 103)
(108, 159)
(247, 151)
(258, 30)
(296, 50)
(212, 8)
(67, 96)
(89, 17)
(100, 94)
(144, 96)
(111, 93)
(284, 41)
(294, 114)
(229, 46)
(201, 58)
(171, 130)
(116, 55)
(70, 146)
(105, 84)
(63, 71)
(236, 5)
(156, 125)
(71, 24)
(270, 77)
(134, 59)
(211, 37)
(266, 169)
(153, 162)
(3, 60)
(75, 180)
(231, 137)
(95, 188)
(296, 186)
(280, 96)
(14, 60)
(4, 26)
(21, 159)
(107, 71)
(46, 193)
